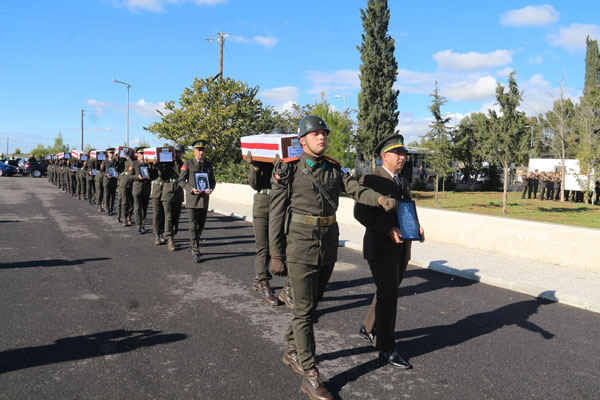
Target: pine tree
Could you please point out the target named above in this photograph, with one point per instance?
(377, 100)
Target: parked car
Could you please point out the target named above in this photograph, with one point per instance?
(35, 168)
(7, 169)
(21, 164)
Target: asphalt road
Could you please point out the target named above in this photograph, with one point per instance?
(91, 310)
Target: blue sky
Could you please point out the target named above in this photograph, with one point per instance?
(59, 57)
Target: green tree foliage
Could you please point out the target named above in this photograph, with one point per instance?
(506, 131)
(59, 146)
(377, 100)
(438, 140)
(40, 151)
(592, 68)
(17, 151)
(466, 149)
(218, 111)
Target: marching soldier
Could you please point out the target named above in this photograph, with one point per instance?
(109, 177)
(141, 189)
(126, 174)
(198, 189)
(384, 249)
(90, 177)
(99, 184)
(304, 199)
(259, 178)
(80, 177)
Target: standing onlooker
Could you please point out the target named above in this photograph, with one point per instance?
(530, 178)
(524, 184)
(536, 181)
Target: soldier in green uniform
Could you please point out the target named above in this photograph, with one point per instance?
(99, 182)
(171, 197)
(90, 178)
(158, 212)
(384, 249)
(73, 175)
(80, 177)
(198, 189)
(109, 178)
(259, 179)
(302, 223)
(141, 189)
(126, 176)
(67, 183)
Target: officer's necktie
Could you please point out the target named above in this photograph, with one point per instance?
(397, 180)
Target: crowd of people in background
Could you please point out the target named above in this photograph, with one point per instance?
(549, 184)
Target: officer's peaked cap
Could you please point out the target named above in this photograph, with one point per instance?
(394, 144)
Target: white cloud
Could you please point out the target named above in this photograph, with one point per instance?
(535, 60)
(267, 41)
(158, 6)
(286, 106)
(148, 110)
(472, 61)
(99, 107)
(345, 80)
(530, 16)
(539, 95)
(572, 38)
(101, 129)
(483, 88)
(414, 81)
(280, 94)
(505, 72)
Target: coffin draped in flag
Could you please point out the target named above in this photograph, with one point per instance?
(264, 147)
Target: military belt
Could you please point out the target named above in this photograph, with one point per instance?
(313, 220)
(265, 191)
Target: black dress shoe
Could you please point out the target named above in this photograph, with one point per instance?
(392, 358)
(367, 335)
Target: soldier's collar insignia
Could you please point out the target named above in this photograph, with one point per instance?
(310, 163)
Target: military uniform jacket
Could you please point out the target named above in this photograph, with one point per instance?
(376, 243)
(91, 164)
(261, 181)
(126, 172)
(187, 182)
(169, 174)
(293, 190)
(140, 186)
(106, 164)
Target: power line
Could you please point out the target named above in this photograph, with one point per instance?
(103, 18)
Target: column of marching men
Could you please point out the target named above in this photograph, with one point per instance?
(123, 182)
(294, 218)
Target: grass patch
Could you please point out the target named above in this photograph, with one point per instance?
(490, 203)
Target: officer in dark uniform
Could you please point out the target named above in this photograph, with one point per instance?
(304, 198)
(384, 249)
(172, 196)
(110, 182)
(530, 180)
(141, 189)
(259, 179)
(197, 196)
(90, 183)
(536, 182)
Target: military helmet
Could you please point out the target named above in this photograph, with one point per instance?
(277, 131)
(311, 123)
(179, 148)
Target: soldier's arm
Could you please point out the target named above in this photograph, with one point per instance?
(374, 219)
(211, 178)
(361, 194)
(183, 176)
(277, 211)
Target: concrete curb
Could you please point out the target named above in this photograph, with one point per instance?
(515, 286)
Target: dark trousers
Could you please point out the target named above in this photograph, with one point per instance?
(81, 186)
(91, 188)
(381, 316)
(262, 259)
(99, 191)
(125, 201)
(158, 216)
(550, 193)
(73, 183)
(308, 285)
(110, 193)
(535, 188)
(172, 213)
(543, 192)
(140, 204)
(197, 218)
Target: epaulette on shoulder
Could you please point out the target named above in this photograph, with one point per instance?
(289, 159)
(333, 161)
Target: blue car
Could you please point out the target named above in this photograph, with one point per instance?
(7, 170)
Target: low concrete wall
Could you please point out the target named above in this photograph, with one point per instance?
(550, 243)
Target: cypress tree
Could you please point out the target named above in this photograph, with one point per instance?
(592, 67)
(377, 100)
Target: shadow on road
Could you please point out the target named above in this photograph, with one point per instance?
(82, 347)
(427, 340)
(56, 262)
(4, 221)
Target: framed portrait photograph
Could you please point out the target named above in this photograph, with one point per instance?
(74, 168)
(93, 172)
(112, 172)
(408, 220)
(144, 173)
(202, 183)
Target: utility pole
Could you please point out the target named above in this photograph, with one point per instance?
(81, 130)
(222, 36)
